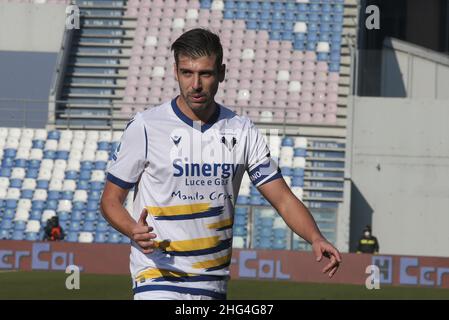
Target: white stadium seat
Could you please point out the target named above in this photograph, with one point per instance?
(22, 215)
(47, 214)
(90, 145)
(85, 237)
(64, 145)
(105, 136)
(98, 175)
(3, 193)
(75, 155)
(3, 132)
(299, 162)
(58, 174)
(47, 163)
(33, 226)
(92, 135)
(79, 135)
(66, 135)
(15, 133)
(25, 143)
(267, 212)
(279, 223)
(24, 204)
(73, 165)
(238, 242)
(287, 152)
(40, 195)
(28, 133)
(65, 205)
(116, 136)
(18, 173)
(4, 183)
(51, 145)
(60, 164)
(80, 196)
(69, 185)
(36, 154)
(12, 143)
(298, 192)
(286, 162)
(301, 142)
(77, 145)
(13, 193)
(40, 134)
(55, 185)
(88, 155)
(29, 184)
(23, 153)
(44, 174)
(102, 155)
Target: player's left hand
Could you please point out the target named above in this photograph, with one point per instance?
(321, 248)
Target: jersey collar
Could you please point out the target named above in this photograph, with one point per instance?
(190, 122)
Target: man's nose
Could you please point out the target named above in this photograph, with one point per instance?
(196, 85)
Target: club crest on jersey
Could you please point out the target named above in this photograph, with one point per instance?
(176, 140)
(229, 143)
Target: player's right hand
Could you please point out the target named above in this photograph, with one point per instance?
(141, 234)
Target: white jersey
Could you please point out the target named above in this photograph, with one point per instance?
(188, 176)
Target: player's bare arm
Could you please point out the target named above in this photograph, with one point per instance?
(299, 219)
(114, 212)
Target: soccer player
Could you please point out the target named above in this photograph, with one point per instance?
(186, 159)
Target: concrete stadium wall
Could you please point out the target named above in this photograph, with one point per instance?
(31, 27)
(245, 264)
(414, 72)
(400, 172)
(30, 39)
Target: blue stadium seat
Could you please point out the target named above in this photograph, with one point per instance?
(74, 226)
(42, 184)
(18, 235)
(63, 155)
(90, 216)
(4, 234)
(94, 195)
(35, 214)
(252, 25)
(11, 203)
(31, 236)
(265, 232)
(38, 144)
(242, 200)
(279, 244)
(72, 236)
(125, 240)
(298, 172)
(9, 213)
(32, 173)
(6, 224)
(239, 231)
(51, 204)
(100, 237)
(82, 185)
(10, 154)
(103, 146)
(287, 171)
(240, 220)
(297, 181)
(77, 215)
(63, 216)
(266, 6)
(27, 194)
(71, 175)
(205, 4)
(114, 237)
(20, 163)
(265, 243)
(92, 206)
(255, 200)
(102, 226)
(53, 195)
(37, 204)
(279, 233)
(87, 165)
(5, 172)
(53, 135)
(49, 154)
(19, 225)
(85, 174)
(96, 186)
(15, 183)
(89, 226)
(100, 165)
(34, 164)
(78, 205)
(67, 195)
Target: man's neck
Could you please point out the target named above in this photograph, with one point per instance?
(202, 116)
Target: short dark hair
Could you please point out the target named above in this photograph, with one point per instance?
(197, 43)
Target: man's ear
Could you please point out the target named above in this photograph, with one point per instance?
(222, 73)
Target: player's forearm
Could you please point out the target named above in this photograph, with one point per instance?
(114, 212)
(299, 219)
